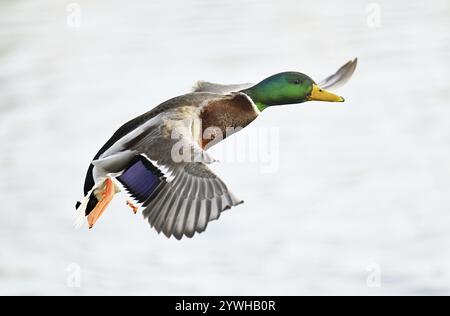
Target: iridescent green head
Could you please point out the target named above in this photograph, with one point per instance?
(288, 88)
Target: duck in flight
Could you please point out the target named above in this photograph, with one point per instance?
(160, 158)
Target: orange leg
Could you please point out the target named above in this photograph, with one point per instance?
(133, 207)
(107, 195)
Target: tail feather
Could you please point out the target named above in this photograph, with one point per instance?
(82, 209)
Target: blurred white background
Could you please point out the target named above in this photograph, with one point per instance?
(360, 203)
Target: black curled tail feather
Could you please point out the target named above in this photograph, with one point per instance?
(90, 205)
(88, 185)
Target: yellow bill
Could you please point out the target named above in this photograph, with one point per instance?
(318, 94)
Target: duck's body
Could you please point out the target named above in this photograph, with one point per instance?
(146, 143)
(160, 157)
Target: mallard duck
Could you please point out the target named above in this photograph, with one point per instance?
(160, 158)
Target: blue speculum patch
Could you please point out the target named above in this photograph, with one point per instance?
(141, 178)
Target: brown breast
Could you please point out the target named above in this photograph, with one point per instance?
(223, 117)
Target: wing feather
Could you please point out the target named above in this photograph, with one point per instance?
(205, 86)
(185, 195)
(341, 76)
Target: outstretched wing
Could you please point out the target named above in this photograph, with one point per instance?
(185, 205)
(180, 202)
(180, 194)
(205, 86)
(340, 77)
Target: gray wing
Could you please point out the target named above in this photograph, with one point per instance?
(186, 204)
(180, 196)
(204, 86)
(340, 77)
(191, 195)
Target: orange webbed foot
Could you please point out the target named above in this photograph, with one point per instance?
(106, 195)
(133, 207)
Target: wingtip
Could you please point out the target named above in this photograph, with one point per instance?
(197, 86)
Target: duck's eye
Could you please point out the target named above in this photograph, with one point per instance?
(297, 81)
